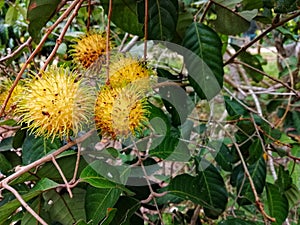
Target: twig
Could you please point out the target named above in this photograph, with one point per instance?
(195, 215)
(123, 42)
(260, 36)
(88, 22)
(259, 205)
(23, 203)
(146, 28)
(62, 176)
(131, 43)
(204, 12)
(107, 40)
(61, 36)
(46, 158)
(14, 53)
(270, 77)
(77, 163)
(39, 46)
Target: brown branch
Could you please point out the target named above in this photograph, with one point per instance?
(107, 40)
(88, 23)
(204, 12)
(14, 53)
(260, 36)
(62, 34)
(146, 28)
(23, 203)
(31, 57)
(46, 158)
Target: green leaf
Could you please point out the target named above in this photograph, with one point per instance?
(171, 148)
(277, 204)
(9, 122)
(229, 3)
(110, 214)
(296, 119)
(6, 144)
(207, 189)
(102, 175)
(286, 6)
(292, 195)
(212, 188)
(162, 18)
(229, 22)
(11, 15)
(284, 180)
(5, 165)
(97, 201)
(10, 207)
(236, 221)
(38, 14)
(19, 138)
(64, 209)
(36, 147)
(234, 108)
(252, 4)
(255, 151)
(258, 173)
(125, 16)
(126, 206)
(205, 73)
(223, 155)
(253, 61)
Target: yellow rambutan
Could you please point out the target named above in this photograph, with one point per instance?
(124, 70)
(89, 49)
(120, 112)
(56, 103)
(5, 85)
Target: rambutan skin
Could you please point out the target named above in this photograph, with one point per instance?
(56, 104)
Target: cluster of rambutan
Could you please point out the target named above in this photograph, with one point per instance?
(58, 102)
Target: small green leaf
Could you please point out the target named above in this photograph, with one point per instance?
(11, 15)
(6, 144)
(19, 138)
(9, 122)
(293, 195)
(38, 14)
(234, 108)
(205, 67)
(222, 155)
(229, 22)
(284, 181)
(110, 214)
(5, 165)
(125, 16)
(252, 4)
(277, 204)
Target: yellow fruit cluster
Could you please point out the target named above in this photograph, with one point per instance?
(58, 103)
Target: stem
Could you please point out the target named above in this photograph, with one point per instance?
(107, 40)
(146, 28)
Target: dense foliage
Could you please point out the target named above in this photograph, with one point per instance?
(149, 112)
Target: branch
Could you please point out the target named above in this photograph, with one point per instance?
(39, 46)
(273, 26)
(46, 158)
(14, 53)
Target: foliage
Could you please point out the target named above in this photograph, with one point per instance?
(218, 142)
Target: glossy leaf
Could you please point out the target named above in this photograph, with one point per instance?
(38, 14)
(207, 189)
(6, 144)
(97, 201)
(222, 155)
(126, 206)
(11, 206)
(110, 214)
(293, 195)
(252, 4)
(36, 147)
(125, 16)
(277, 204)
(162, 18)
(205, 67)
(258, 173)
(229, 22)
(19, 138)
(234, 108)
(284, 180)
(5, 165)
(255, 151)
(64, 209)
